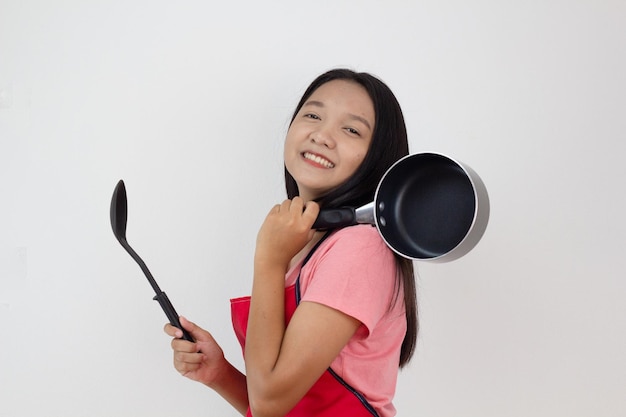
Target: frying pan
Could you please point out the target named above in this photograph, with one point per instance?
(427, 207)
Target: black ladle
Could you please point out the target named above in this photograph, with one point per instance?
(118, 223)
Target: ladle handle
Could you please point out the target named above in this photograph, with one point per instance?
(335, 218)
(171, 314)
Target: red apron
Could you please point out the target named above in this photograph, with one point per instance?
(330, 396)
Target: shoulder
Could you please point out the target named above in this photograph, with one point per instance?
(352, 256)
(359, 230)
(356, 248)
(363, 239)
(352, 271)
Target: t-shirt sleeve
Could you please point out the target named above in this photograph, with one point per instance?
(355, 273)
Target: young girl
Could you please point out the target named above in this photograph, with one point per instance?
(332, 314)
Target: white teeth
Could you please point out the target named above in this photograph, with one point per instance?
(319, 160)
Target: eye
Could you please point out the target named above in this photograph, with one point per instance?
(353, 131)
(311, 116)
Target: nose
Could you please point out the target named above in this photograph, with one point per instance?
(323, 137)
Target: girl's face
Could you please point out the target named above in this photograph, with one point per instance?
(329, 137)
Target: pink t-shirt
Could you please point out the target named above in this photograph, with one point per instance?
(354, 271)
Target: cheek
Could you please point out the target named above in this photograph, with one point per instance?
(288, 144)
(355, 161)
(358, 158)
(292, 137)
(359, 154)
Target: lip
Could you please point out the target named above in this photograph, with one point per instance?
(322, 162)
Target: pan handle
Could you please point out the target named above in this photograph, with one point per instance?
(334, 218)
(345, 216)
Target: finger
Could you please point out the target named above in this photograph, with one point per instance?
(172, 331)
(198, 333)
(184, 369)
(182, 345)
(285, 205)
(181, 358)
(311, 211)
(297, 205)
(187, 362)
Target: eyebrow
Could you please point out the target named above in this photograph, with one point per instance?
(363, 120)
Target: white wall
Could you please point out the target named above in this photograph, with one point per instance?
(188, 102)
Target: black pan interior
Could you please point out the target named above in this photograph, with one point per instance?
(425, 206)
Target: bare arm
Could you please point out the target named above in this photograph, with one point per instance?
(282, 363)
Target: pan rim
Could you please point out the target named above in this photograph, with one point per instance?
(460, 248)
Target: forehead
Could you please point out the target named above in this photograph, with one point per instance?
(345, 93)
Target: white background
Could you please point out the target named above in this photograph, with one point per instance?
(189, 102)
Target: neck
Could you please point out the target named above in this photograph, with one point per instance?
(306, 249)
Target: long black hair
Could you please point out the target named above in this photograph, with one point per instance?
(389, 143)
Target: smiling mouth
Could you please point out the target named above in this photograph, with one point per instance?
(318, 160)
